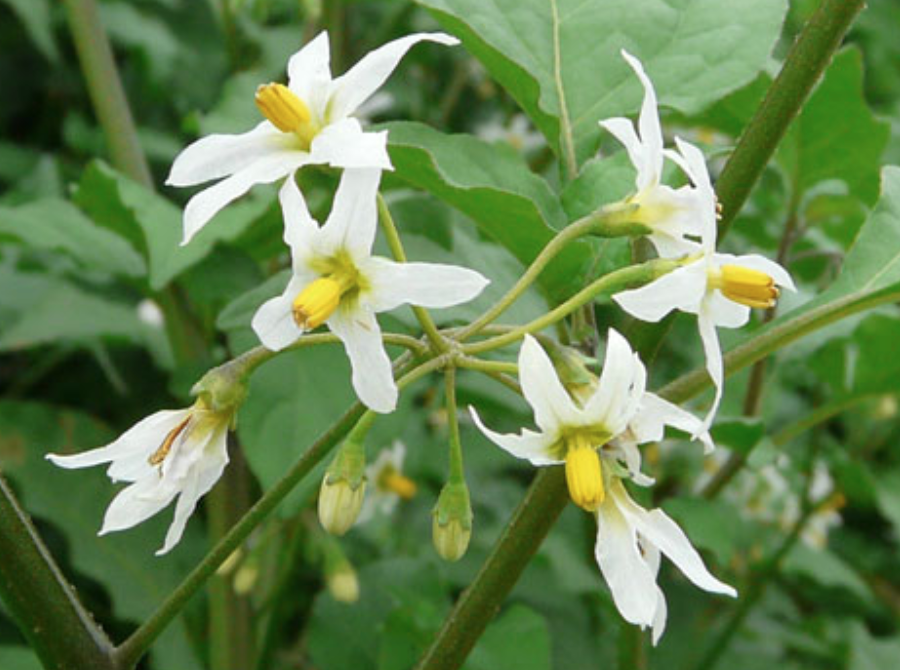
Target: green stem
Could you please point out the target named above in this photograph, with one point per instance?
(135, 646)
(487, 366)
(60, 630)
(393, 239)
(106, 90)
(614, 281)
(804, 65)
(457, 471)
(532, 520)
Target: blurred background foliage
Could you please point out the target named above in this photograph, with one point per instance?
(104, 319)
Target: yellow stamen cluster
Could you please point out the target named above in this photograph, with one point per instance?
(314, 304)
(746, 286)
(285, 110)
(583, 473)
(160, 454)
(393, 481)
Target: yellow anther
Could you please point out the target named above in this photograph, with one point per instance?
(285, 110)
(160, 454)
(316, 303)
(393, 481)
(583, 473)
(746, 286)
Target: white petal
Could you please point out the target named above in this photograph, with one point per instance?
(217, 156)
(663, 532)
(373, 379)
(625, 447)
(725, 313)
(530, 446)
(309, 74)
(137, 503)
(299, 226)
(659, 619)
(714, 365)
(274, 323)
(367, 76)
(621, 384)
(542, 389)
(344, 144)
(426, 284)
(762, 264)
(681, 289)
(353, 220)
(694, 164)
(648, 123)
(623, 130)
(655, 413)
(207, 203)
(630, 579)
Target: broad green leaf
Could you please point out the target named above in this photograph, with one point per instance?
(710, 525)
(871, 653)
(823, 566)
(495, 650)
(560, 58)
(123, 562)
(494, 187)
(153, 224)
(60, 226)
(35, 16)
(18, 658)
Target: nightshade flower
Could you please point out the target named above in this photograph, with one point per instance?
(590, 437)
(308, 122)
(387, 483)
(169, 454)
(719, 288)
(337, 282)
(669, 213)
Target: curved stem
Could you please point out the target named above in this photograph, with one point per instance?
(480, 365)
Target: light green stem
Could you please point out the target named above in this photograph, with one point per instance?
(457, 471)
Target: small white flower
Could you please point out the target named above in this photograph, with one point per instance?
(309, 121)
(169, 454)
(387, 483)
(719, 288)
(336, 281)
(669, 213)
(590, 438)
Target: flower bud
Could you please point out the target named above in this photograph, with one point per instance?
(343, 489)
(451, 527)
(342, 582)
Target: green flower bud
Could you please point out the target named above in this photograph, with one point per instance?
(342, 582)
(343, 489)
(451, 527)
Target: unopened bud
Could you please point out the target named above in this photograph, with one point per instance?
(451, 527)
(343, 489)
(343, 584)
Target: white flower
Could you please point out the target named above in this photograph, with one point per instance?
(619, 414)
(387, 483)
(309, 121)
(719, 288)
(629, 542)
(336, 281)
(172, 453)
(669, 213)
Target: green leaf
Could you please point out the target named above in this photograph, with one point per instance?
(816, 148)
(826, 568)
(496, 651)
(153, 224)
(560, 58)
(496, 189)
(123, 562)
(18, 658)
(871, 653)
(35, 16)
(741, 434)
(710, 525)
(60, 226)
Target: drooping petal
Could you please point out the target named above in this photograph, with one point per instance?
(530, 446)
(621, 384)
(714, 365)
(274, 323)
(217, 156)
(309, 74)
(682, 289)
(207, 203)
(694, 163)
(373, 379)
(623, 130)
(630, 579)
(353, 220)
(542, 389)
(648, 425)
(668, 537)
(650, 131)
(344, 144)
(356, 85)
(427, 284)
(299, 226)
(137, 503)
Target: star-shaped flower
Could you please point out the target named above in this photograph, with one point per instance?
(336, 281)
(590, 438)
(169, 454)
(669, 213)
(387, 483)
(309, 121)
(719, 288)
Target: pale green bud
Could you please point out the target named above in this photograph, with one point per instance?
(451, 527)
(342, 582)
(343, 489)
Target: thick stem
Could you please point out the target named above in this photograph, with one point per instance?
(803, 67)
(532, 520)
(59, 629)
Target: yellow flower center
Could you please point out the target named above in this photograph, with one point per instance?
(391, 480)
(314, 304)
(160, 454)
(287, 112)
(745, 286)
(583, 473)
